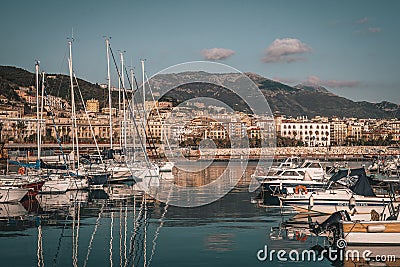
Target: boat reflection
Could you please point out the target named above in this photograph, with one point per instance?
(11, 210)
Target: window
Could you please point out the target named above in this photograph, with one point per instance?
(289, 173)
(314, 165)
(301, 173)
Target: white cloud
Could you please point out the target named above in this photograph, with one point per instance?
(362, 21)
(217, 53)
(286, 50)
(315, 80)
(374, 29)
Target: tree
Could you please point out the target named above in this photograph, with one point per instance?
(1, 131)
(20, 127)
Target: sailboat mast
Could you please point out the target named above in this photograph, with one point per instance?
(119, 108)
(41, 117)
(144, 95)
(123, 97)
(133, 115)
(109, 90)
(73, 115)
(37, 108)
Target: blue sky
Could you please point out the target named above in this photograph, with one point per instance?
(350, 47)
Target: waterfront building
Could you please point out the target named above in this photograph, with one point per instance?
(338, 132)
(394, 127)
(312, 133)
(354, 132)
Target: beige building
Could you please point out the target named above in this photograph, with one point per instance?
(394, 127)
(354, 132)
(92, 105)
(338, 132)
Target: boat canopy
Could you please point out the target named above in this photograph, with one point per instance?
(44, 165)
(361, 186)
(26, 165)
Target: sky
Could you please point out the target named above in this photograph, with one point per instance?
(350, 47)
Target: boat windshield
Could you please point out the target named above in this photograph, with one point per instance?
(290, 173)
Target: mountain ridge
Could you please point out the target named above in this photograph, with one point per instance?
(300, 100)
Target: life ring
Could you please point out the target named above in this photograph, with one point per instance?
(21, 170)
(302, 188)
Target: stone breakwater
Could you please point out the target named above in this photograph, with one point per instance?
(340, 152)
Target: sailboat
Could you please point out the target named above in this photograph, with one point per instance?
(24, 179)
(63, 179)
(130, 168)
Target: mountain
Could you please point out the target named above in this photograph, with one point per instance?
(312, 88)
(300, 100)
(313, 100)
(11, 78)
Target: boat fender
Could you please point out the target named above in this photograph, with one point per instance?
(311, 201)
(352, 202)
(380, 228)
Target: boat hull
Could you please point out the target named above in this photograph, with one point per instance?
(55, 186)
(12, 194)
(330, 201)
(372, 232)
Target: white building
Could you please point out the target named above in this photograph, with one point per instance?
(311, 133)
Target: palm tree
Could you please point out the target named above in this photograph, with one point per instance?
(20, 127)
(1, 131)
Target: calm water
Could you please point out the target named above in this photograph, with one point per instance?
(98, 228)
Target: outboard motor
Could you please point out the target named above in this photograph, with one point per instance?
(333, 220)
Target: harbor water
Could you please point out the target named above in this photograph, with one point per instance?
(120, 227)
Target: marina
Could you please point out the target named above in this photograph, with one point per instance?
(199, 133)
(121, 224)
